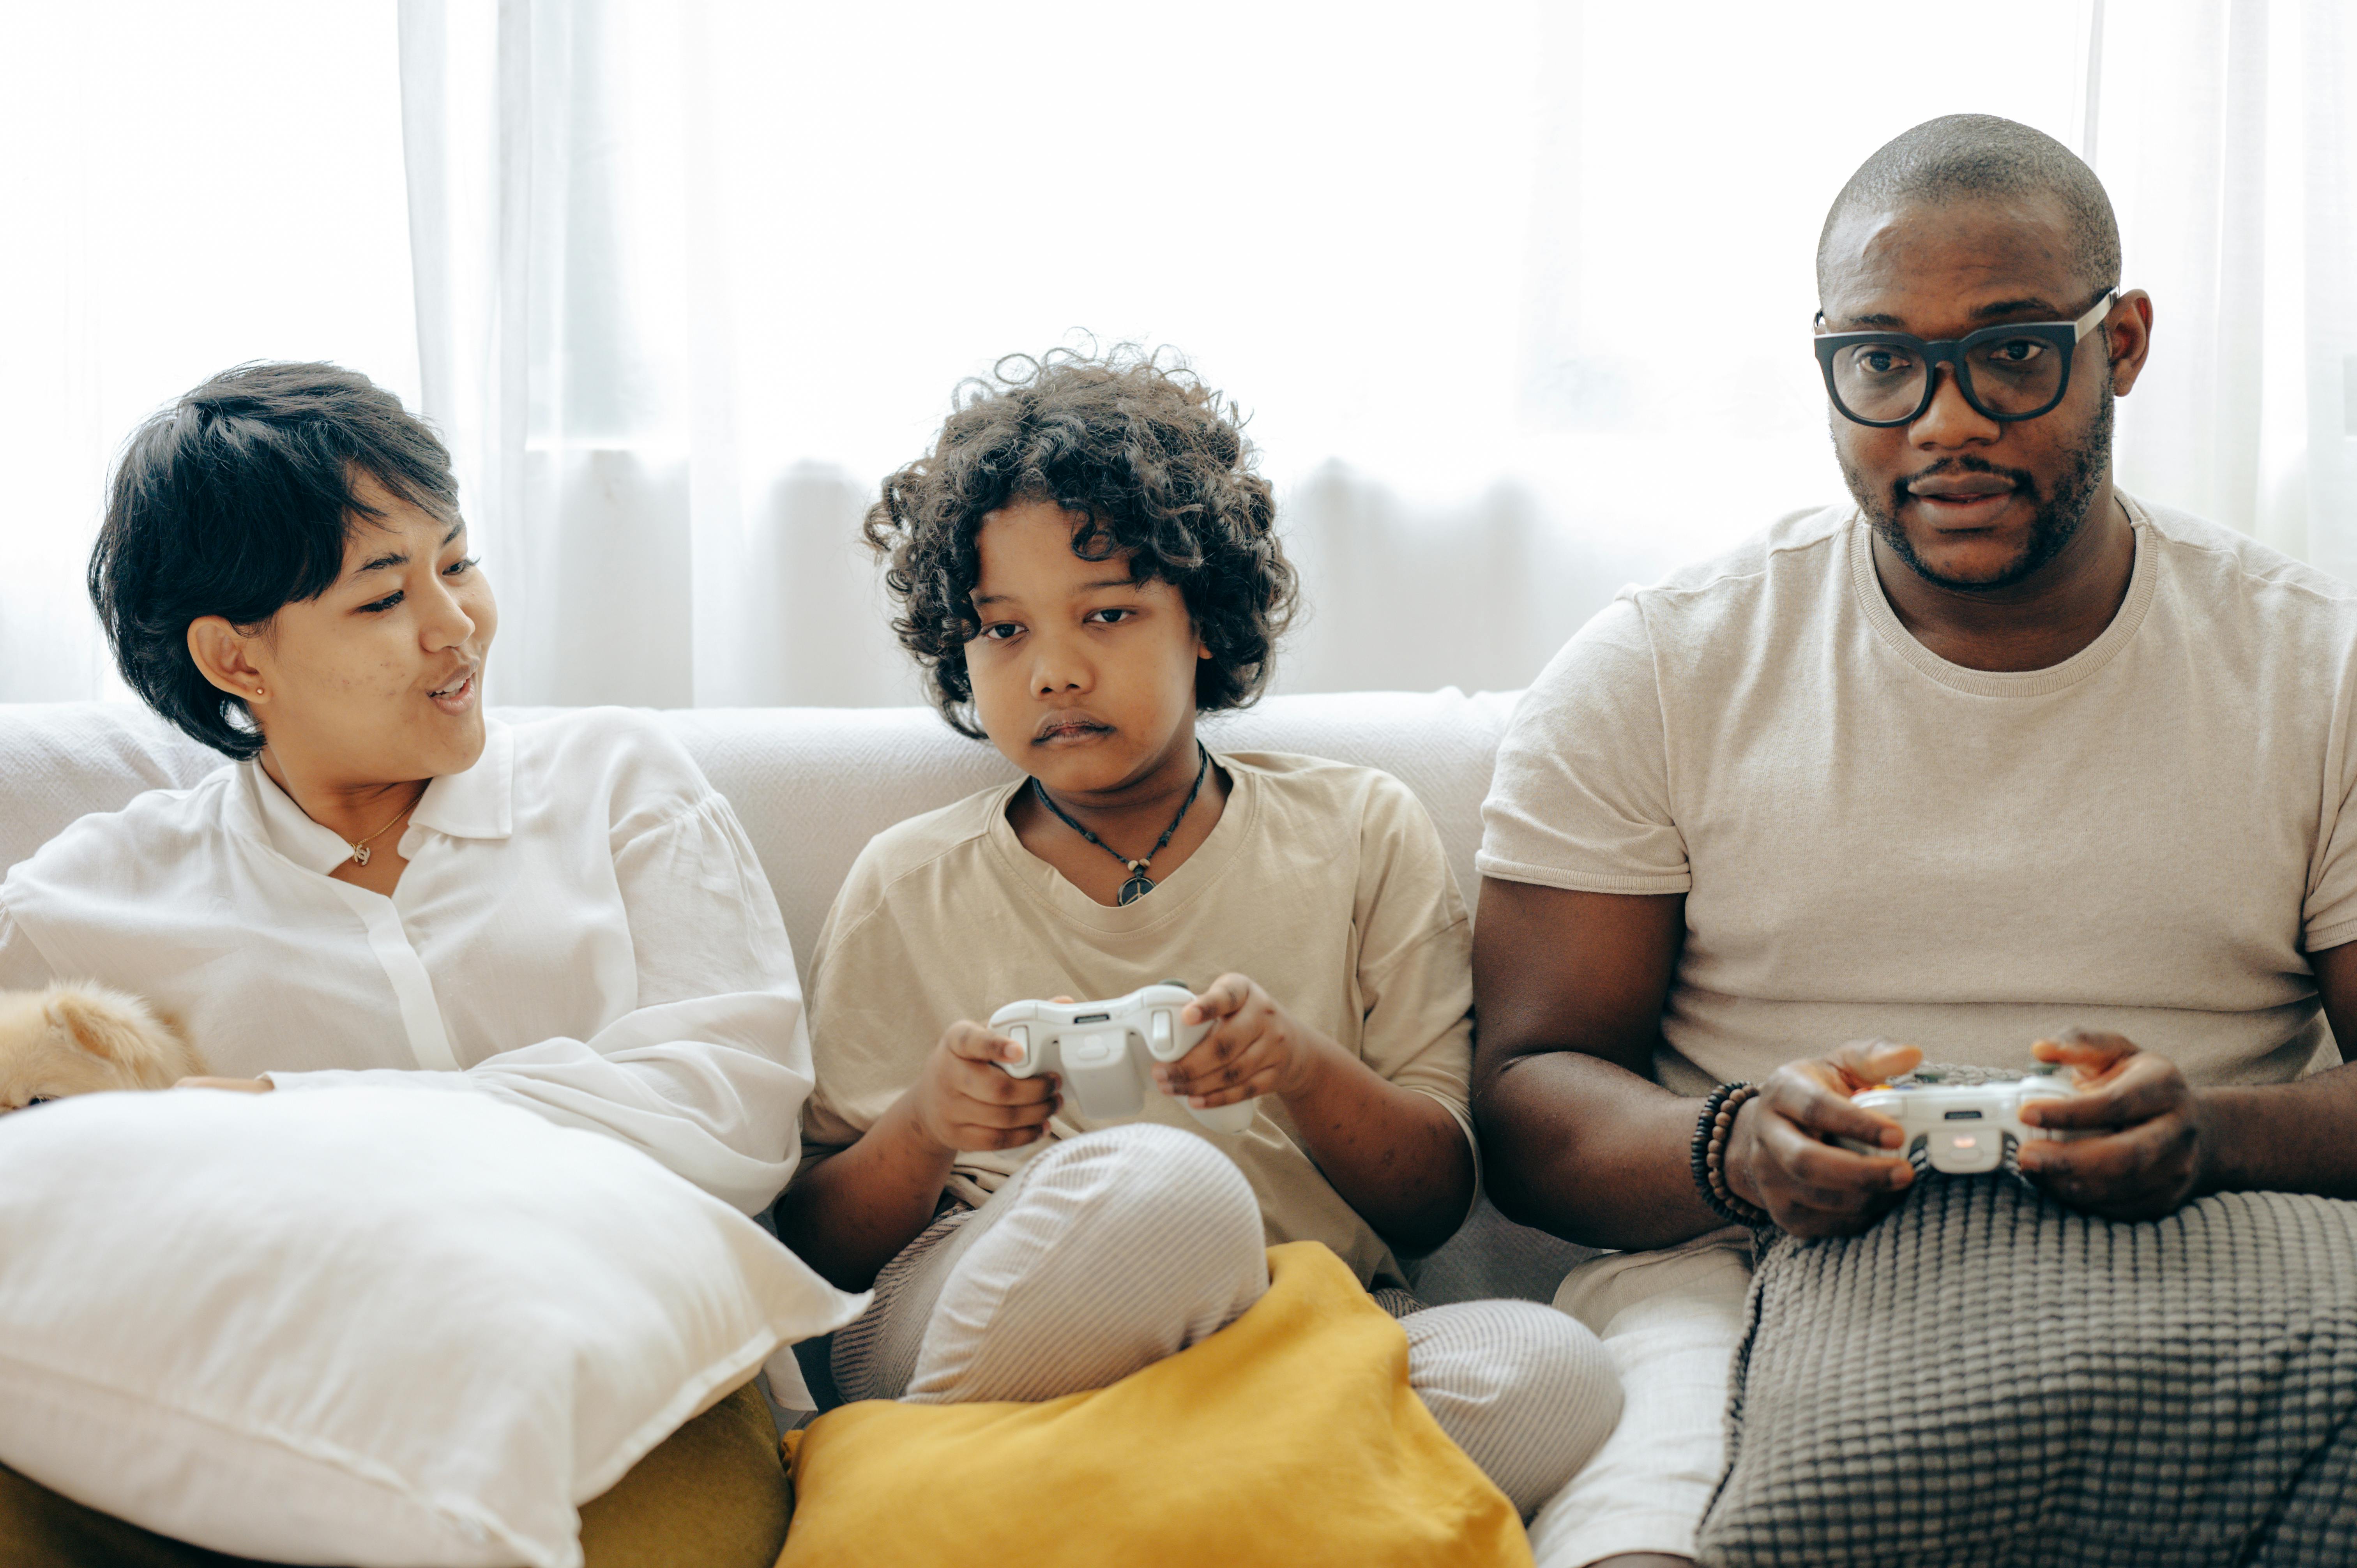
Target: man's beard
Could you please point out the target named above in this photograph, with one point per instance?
(2058, 521)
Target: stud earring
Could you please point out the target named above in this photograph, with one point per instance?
(257, 692)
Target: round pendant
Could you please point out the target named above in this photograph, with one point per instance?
(1136, 887)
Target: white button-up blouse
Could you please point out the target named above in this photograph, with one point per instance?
(582, 929)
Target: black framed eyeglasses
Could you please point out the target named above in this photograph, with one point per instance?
(2018, 371)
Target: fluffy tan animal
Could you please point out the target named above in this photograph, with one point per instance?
(78, 1039)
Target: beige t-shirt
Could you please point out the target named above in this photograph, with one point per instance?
(1875, 842)
(1325, 883)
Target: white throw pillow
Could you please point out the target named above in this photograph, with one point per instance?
(364, 1326)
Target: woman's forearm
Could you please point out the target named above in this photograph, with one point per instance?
(851, 1213)
(1592, 1153)
(1396, 1155)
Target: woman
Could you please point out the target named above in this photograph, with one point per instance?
(387, 886)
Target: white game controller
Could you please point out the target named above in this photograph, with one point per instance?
(1962, 1129)
(1104, 1048)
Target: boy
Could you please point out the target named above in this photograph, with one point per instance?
(1086, 560)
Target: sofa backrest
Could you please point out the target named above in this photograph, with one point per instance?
(812, 785)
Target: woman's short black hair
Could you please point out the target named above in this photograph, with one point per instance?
(236, 500)
(1154, 460)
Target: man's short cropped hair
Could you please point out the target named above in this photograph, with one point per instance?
(1134, 442)
(1961, 157)
(235, 501)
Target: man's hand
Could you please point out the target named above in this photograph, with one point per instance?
(1778, 1156)
(237, 1085)
(2148, 1154)
(1257, 1048)
(965, 1102)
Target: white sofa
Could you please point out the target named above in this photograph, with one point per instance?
(813, 785)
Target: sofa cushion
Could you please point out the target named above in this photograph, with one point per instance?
(1289, 1437)
(59, 761)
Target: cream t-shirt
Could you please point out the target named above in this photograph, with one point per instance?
(1325, 883)
(1874, 842)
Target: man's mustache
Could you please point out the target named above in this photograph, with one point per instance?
(1903, 490)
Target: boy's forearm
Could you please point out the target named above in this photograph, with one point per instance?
(1396, 1155)
(851, 1213)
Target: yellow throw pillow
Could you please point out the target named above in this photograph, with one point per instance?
(1289, 1437)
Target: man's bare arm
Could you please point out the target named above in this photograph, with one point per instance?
(2151, 1141)
(2294, 1137)
(1577, 1139)
(1569, 988)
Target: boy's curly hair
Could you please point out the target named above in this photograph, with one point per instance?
(1141, 447)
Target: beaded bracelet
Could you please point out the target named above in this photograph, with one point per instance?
(1709, 1152)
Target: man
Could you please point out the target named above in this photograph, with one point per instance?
(1995, 759)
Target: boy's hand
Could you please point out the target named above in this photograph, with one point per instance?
(965, 1102)
(1257, 1047)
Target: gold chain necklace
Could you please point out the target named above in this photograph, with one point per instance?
(360, 847)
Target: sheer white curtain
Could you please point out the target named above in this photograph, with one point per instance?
(569, 181)
(183, 188)
(2225, 133)
(1518, 298)
(1516, 293)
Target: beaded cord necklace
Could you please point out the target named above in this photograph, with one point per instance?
(1139, 884)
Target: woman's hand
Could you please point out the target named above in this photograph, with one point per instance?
(966, 1102)
(1781, 1157)
(241, 1085)
(1257, 1048)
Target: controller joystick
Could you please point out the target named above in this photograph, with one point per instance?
(1105, 1050)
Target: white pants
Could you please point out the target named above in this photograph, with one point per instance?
(1672, 1321)
(1115, 1249)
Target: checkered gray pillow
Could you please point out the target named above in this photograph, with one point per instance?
(1987, 1377)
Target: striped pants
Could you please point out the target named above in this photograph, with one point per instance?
(1115, 1249)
